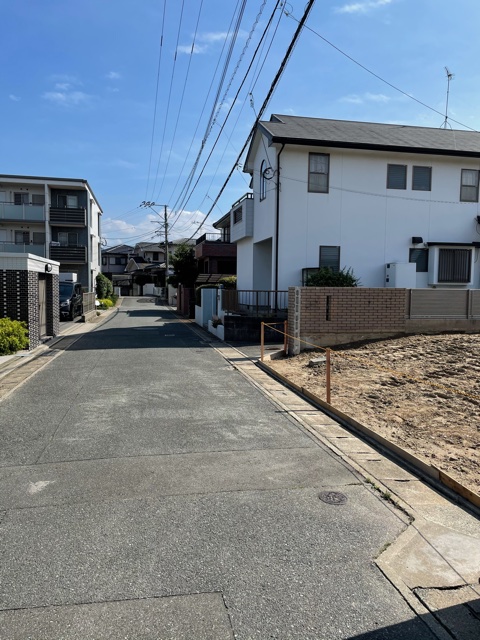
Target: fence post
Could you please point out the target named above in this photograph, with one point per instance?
(327, 353)
(285, 337)
(262, 340)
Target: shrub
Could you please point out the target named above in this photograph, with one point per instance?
(104, 286)
(229, 282)
(105, 303)
(326, 277)
(13, 336)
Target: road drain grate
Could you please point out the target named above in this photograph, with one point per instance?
(333, 497)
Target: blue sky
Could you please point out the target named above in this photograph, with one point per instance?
(91, 89)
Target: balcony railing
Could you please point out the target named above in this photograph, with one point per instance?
(255, 303)
(76, 254)
(214, 237)
(68, 217)
(23, 212)
(10, 247)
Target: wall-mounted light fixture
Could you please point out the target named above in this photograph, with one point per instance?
(417, 239)
(48, 267)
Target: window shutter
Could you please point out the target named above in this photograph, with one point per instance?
(422, 179)
(330, 258)
(396, 176)
(454, 265)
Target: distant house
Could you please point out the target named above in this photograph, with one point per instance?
(54, 218)
(398, 204)
(114, 263)
(216, 255)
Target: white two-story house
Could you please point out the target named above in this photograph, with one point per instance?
(55, 218)
(397, 204)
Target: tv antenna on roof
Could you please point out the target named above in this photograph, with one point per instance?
(450, 77)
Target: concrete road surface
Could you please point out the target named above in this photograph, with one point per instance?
(149, 491)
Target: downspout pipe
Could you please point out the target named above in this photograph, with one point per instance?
(277, 225)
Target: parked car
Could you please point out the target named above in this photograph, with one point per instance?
(71, 300)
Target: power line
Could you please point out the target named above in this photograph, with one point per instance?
(273, 86)
(156, 97)
(375, 75)
(169, 97)
(181, 99)
(187, 198)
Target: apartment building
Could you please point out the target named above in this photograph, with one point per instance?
(54, 218)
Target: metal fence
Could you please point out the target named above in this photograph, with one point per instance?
(255, 303)
(443, 303)
(88, 302)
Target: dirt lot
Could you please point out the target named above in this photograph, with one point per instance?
(428, 416)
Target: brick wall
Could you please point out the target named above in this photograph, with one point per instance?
(19, 301)
(331, 315)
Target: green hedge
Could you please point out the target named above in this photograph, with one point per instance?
(13, 336)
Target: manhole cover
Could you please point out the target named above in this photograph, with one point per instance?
(333, 497)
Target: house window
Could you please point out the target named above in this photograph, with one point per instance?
(68, 238)
(396, 176)
(422, 179)
(318, 170)
(22, 237)
(469, 186)
(20, 198)
(330, 258)
(38, 198)
(263, 181)
(38, 237)
(237, 215)
(155, 257)
(454, 265)
(68, 202)
(104, 261)
(420, 257)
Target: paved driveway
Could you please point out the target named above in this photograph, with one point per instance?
(148, 490)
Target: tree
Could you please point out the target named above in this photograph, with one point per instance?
(326, 277)
(104, 286)
(185, 267)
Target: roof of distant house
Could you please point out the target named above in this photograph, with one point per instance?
(370, 135)
(119, 248)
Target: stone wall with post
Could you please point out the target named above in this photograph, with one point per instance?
(326, 316)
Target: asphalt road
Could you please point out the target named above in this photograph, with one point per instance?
(149, 491)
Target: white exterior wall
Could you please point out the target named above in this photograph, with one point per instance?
(372, 225)
(245, 264)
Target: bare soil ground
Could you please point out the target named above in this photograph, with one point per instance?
(435, 415)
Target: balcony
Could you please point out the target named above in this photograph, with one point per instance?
(72, 255)
(10, 247)
(215, 245)
(67, 217)
(22, 212)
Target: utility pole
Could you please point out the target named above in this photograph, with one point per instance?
(150, 205)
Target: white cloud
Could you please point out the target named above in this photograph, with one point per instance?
(366, 97)
(363, 7)
(125, 164)
(213, 36)
(14, 98)
(67, 98)
(62, 86)
(113, 75)
(208, 38)
(187, 48)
